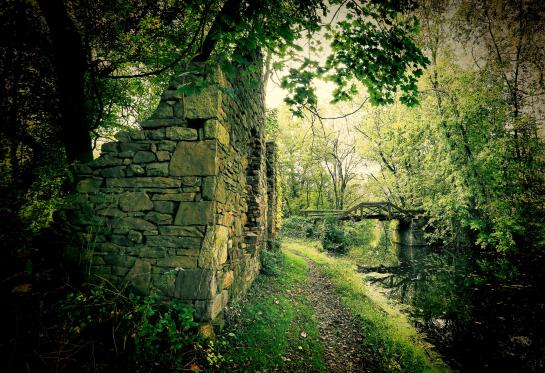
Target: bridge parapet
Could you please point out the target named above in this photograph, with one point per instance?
(368, 210)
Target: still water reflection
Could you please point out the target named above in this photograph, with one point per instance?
(474, 322)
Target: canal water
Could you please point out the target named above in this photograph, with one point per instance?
(477, 324)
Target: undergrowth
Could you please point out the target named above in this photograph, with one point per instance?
(99, 328)
(147, 335)
(272, 262)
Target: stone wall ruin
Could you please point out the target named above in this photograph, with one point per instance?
(180, 207)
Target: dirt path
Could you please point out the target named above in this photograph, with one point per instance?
(341, 332)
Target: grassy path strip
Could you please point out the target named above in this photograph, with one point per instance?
(275, 328)
(340, 331)
(390, 341)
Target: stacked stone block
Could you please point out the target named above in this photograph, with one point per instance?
(180, 206)
(272, 198)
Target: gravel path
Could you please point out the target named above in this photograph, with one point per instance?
(341, 332)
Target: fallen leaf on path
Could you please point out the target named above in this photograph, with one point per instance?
(194, 367)
(23, 288)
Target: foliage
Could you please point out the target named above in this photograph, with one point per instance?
(370, 245)
(319, 164)
(279, 199)
(341, 236)
(388, 58)
(358, 234)
(271, 261)
(272, 130)
(384, 31)
(333, 236)
(163, 337)
(304, 181)
(118, 55)
(335, 149)
(299, 227)
(43, 197)
(336, 236)
(146, 334)
(471, 156)
(453, 156)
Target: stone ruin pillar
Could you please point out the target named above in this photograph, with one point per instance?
(179, 207)
(272, 197)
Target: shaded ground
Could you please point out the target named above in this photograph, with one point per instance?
(341, 333)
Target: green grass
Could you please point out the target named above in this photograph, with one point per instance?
(390, 338)
(266, 332)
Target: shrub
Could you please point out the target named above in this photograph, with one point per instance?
(358, 233)
(271, 262)
(273, 244)
(141, 334)
(299, 227)
(333, 236)
(43, 197)
(164, 335)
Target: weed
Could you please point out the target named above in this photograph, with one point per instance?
(333, 237)
(299, 227)
(271, 262)
(127, 332)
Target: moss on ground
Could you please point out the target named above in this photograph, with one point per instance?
(265, 332)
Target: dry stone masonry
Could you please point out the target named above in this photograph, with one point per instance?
(272, 194)
(181, 206)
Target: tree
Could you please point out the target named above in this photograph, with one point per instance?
(75, 69)
(337, 152)
(510, 36)
(304, 179)
(456, 155)
(91, 42)
(319, 163)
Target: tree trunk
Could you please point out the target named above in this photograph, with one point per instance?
(225, 21)
(70, 61)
